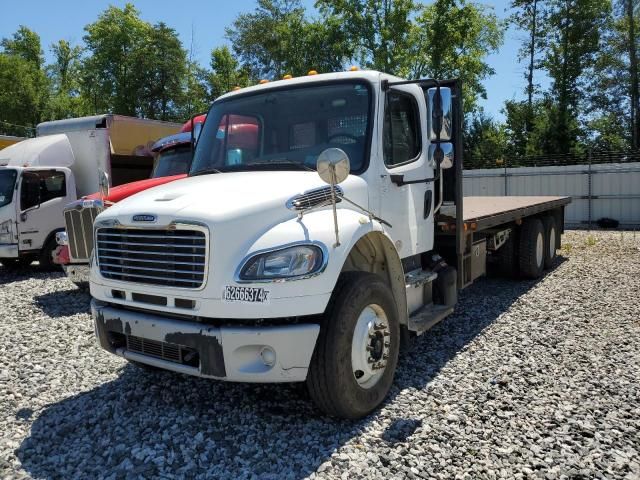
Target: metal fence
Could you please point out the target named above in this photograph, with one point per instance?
(601, 184)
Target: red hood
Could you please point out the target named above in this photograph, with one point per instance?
(123, 191)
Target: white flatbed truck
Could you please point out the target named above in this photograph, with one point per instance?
(334, 234)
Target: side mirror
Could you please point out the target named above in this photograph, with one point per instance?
(441, 114)
(103, 183)
(441, 154)
(333, 166)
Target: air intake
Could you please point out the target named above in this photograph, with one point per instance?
(318, 197)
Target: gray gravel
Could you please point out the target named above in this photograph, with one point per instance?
(525, 380)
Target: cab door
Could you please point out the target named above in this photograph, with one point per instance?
(407, 177)
(41, 199)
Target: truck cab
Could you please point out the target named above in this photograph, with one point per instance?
(32, 197)
(310, 250)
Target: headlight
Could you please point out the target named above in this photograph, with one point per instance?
(6, 231)
(289, 262)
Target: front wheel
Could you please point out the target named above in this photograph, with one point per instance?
(356, 355)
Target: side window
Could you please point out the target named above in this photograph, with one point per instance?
(39, 187)
(401, 132)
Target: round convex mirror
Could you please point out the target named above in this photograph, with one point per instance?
(333, 166)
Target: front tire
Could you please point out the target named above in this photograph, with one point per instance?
(355, 358)
(46, 256)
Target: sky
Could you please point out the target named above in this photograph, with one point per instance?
(207, 19)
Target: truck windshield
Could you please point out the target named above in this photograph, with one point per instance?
(285, 129)
(175, 161)
(7, 183)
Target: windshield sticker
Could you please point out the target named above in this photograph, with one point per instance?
(233, 294)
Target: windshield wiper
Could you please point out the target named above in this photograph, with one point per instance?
(205, 171)
(280, 163)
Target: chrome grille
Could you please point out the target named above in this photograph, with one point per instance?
(78, 221)
(314, 198)
(154, 348)
(172, 258)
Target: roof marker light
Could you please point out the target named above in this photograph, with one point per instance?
(287, 77)
(312, 72)
(236, 88)
(354, 68)
(263, 81)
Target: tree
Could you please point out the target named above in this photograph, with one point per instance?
(226, 72)
(527, 17)
(23, 83)
(573, 35)
(378, 30)
(452, 38)
(64, 72)
(114, 74)
(485, 142)
(165, 73)
(278, 39)
(24, 43)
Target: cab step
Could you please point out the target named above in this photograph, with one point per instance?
(423, 319)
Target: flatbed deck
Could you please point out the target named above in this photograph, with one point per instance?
(488, 212)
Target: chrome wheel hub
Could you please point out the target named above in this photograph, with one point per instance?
(370, 346)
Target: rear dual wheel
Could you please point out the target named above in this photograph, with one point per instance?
(538, 240)
(356, 354)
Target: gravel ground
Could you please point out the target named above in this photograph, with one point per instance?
(525, 380)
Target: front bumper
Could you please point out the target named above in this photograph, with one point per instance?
(77, 272)
(267, 354)
(9, 250)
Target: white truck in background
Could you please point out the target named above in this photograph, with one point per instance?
(333, 234)
(66, 160)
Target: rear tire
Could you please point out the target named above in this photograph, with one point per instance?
(551, 237)
(532, 248)
(359, 325)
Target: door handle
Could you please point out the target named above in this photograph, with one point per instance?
(428, 200)
(398, 179)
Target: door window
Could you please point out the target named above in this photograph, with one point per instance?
(401, 132)
(39, 187)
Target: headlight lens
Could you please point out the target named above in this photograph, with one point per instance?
(6, 231)
(288, 262)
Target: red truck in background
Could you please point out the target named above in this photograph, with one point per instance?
(172, 162)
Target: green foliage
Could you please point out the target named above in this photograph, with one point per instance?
(378, 31)
(64, 74)
(573, 39)
(24, 43)
(485, 142)
(451, 39)
(277, 39)
(226, 72)
(165, 70)
(24, 86)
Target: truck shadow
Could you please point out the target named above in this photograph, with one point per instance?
(64, 303)
(148, 424)
(20, 274)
